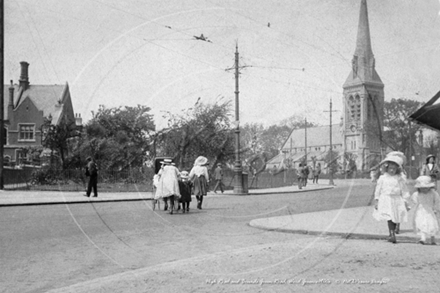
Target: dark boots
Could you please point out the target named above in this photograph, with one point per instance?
(392, 229)
(199, 202)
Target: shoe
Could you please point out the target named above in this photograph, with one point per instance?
(187, 210)
(397, 229)
(95, 196)
(86, 195)
(165, 208)
(421, 242)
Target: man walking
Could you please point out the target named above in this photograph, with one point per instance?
(218, 176)
(92, 173)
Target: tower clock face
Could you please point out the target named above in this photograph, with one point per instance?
(353, 128)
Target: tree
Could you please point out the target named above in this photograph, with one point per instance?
(203, 130)
(57, 137)
(399, 133)
(118, 138)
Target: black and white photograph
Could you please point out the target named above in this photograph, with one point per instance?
(220, 146)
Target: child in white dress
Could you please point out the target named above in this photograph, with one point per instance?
(390, 195)
(427, 202)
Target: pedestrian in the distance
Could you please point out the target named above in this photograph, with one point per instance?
(200, 178)
(300, 175)
(430, 168)
(427, 200)
(185, 187)
(316, 173)
(391, 194)
(306, 172)
(218, 176)
(92, 173)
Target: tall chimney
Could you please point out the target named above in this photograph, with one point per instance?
(11, 95)
(24, 77)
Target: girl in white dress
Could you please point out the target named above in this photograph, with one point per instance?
(427, 202)
(391, 194)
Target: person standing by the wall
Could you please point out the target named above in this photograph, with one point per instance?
(430, 168)
(218, 176)
(92, 173)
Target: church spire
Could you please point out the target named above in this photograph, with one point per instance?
(363, 42)
(363, 62)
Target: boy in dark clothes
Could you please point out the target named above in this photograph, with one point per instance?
(185, 187)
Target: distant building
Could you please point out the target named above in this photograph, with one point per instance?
(26, 107)
(363, 100)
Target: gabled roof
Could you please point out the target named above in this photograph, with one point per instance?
(47, 98)
(316, 136)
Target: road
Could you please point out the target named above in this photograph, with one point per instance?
(48, 247)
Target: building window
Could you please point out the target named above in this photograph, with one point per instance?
(26, 132)
(5, 136)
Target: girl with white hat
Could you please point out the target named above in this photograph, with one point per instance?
(200, 178)
(427, 202)
(391, 194)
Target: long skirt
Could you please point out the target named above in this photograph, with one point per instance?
(200, 186)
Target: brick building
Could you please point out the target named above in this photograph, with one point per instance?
(26, 106)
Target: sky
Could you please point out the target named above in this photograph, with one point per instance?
(296, 54)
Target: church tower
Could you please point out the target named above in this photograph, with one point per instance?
(363, 97)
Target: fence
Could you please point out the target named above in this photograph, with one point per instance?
(136, 180)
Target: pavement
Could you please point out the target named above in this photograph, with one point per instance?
(344, 222)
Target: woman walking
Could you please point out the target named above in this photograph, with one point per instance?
(168, 186)
(431, 169)
(200, 178)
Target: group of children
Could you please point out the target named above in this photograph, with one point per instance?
(392, 200)
(177, 187)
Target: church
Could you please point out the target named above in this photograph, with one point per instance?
(363, 101)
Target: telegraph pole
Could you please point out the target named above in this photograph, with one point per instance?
(238, 170)
(2, 98)
(330, 171)
(305, 140)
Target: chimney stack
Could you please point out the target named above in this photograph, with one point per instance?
(24, 77)
(78, 120)
(11, 95)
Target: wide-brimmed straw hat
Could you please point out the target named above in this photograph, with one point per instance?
(394, 159)
(200, 161)
(399, 154)
(424, 182)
